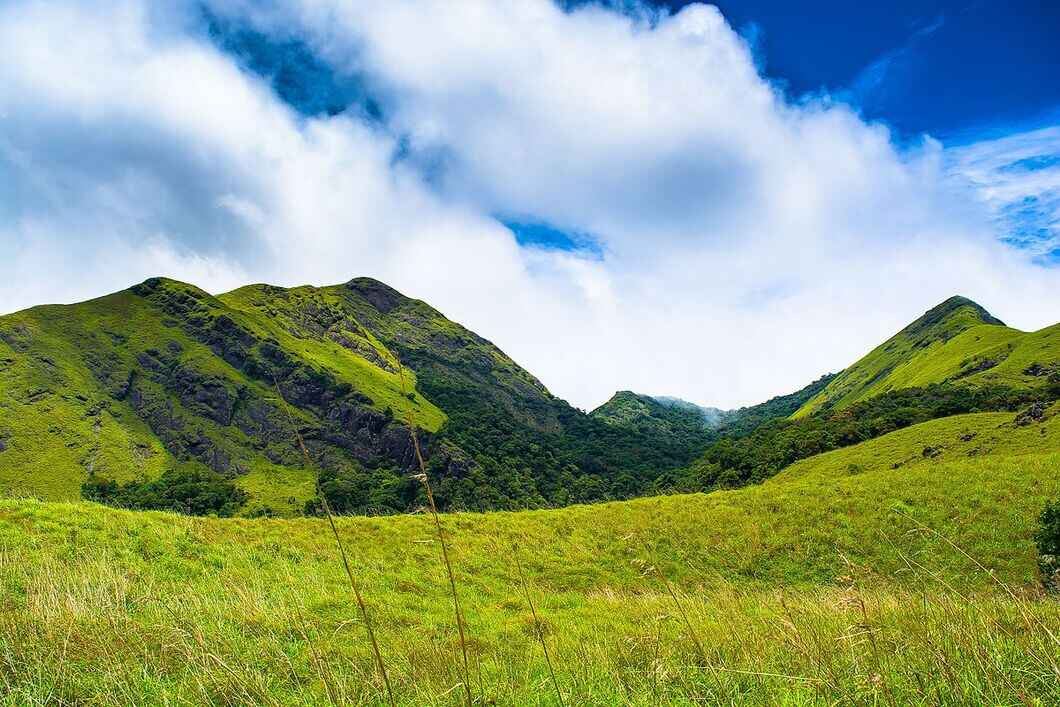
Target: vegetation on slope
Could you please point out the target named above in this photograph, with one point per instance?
(738, 423)
(835, 581)
(711, 415)
(957, 342)
(775, 444)
(519, 445)
(686, 424)
(127, 387)
(131, 385)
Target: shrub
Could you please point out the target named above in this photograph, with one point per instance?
(1048, 541)
(189, 489)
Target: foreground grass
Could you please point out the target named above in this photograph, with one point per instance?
(835, 582)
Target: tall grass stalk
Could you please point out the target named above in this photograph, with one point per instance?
(537, 622)
(426, 481)
(354, 584)
(688, 623)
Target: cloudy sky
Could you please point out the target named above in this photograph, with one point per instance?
(718, 204)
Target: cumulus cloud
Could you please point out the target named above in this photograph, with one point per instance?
(745, 243)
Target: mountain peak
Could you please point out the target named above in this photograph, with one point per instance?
(964, 311)
(627, 408)
(903, 360)
(379, 294)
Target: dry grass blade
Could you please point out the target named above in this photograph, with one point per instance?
(1030, 621)
(537, 622)
(425, 480)
(345, 560)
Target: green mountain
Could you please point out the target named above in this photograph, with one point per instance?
(954, 360)
(678, 421)
(664, 415)
(713, 417)
(163, 389)
(956, 342)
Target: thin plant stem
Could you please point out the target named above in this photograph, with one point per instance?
(345, 559)
(537, 623)
(425, 480)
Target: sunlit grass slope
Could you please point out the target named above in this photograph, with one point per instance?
(128, 385)
(959, 342)
(834, 582)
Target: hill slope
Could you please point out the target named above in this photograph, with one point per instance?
(958, 341)
(771, 578)
(660, 418)
(166, 382)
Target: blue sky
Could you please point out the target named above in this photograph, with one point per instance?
(718, 203)
(959, 70)
(955, 69)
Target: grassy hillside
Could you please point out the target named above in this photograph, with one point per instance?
(957, 341)
(163, 386)
(129, 385)
(835, 581)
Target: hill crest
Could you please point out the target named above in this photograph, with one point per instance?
(957, 341)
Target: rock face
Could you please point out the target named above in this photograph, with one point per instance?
(1034, 413)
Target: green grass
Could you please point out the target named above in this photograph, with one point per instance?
(261, 305)
(829, 583)
(950, 348)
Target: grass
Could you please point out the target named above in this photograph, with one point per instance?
(843, 579)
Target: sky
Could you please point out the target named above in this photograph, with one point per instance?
(719, 203)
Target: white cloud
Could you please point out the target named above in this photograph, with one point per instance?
(1017, 179)
(749, 244)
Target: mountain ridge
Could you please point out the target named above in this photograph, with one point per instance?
(164, 383)
(164, 377)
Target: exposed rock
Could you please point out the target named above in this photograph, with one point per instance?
(380, 296)
(17, 337)
(976, 367)
(1037, 370)
(1035, 413)
(206, 394)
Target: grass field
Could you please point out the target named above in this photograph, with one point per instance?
(844, 579)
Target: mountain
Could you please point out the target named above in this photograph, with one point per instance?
(677, 421)
(161, 388)
(665, 415)
(956, 342)
(955, 359)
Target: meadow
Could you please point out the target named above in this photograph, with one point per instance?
(875, 574)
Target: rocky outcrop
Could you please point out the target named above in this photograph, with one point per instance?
(1033, 414)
